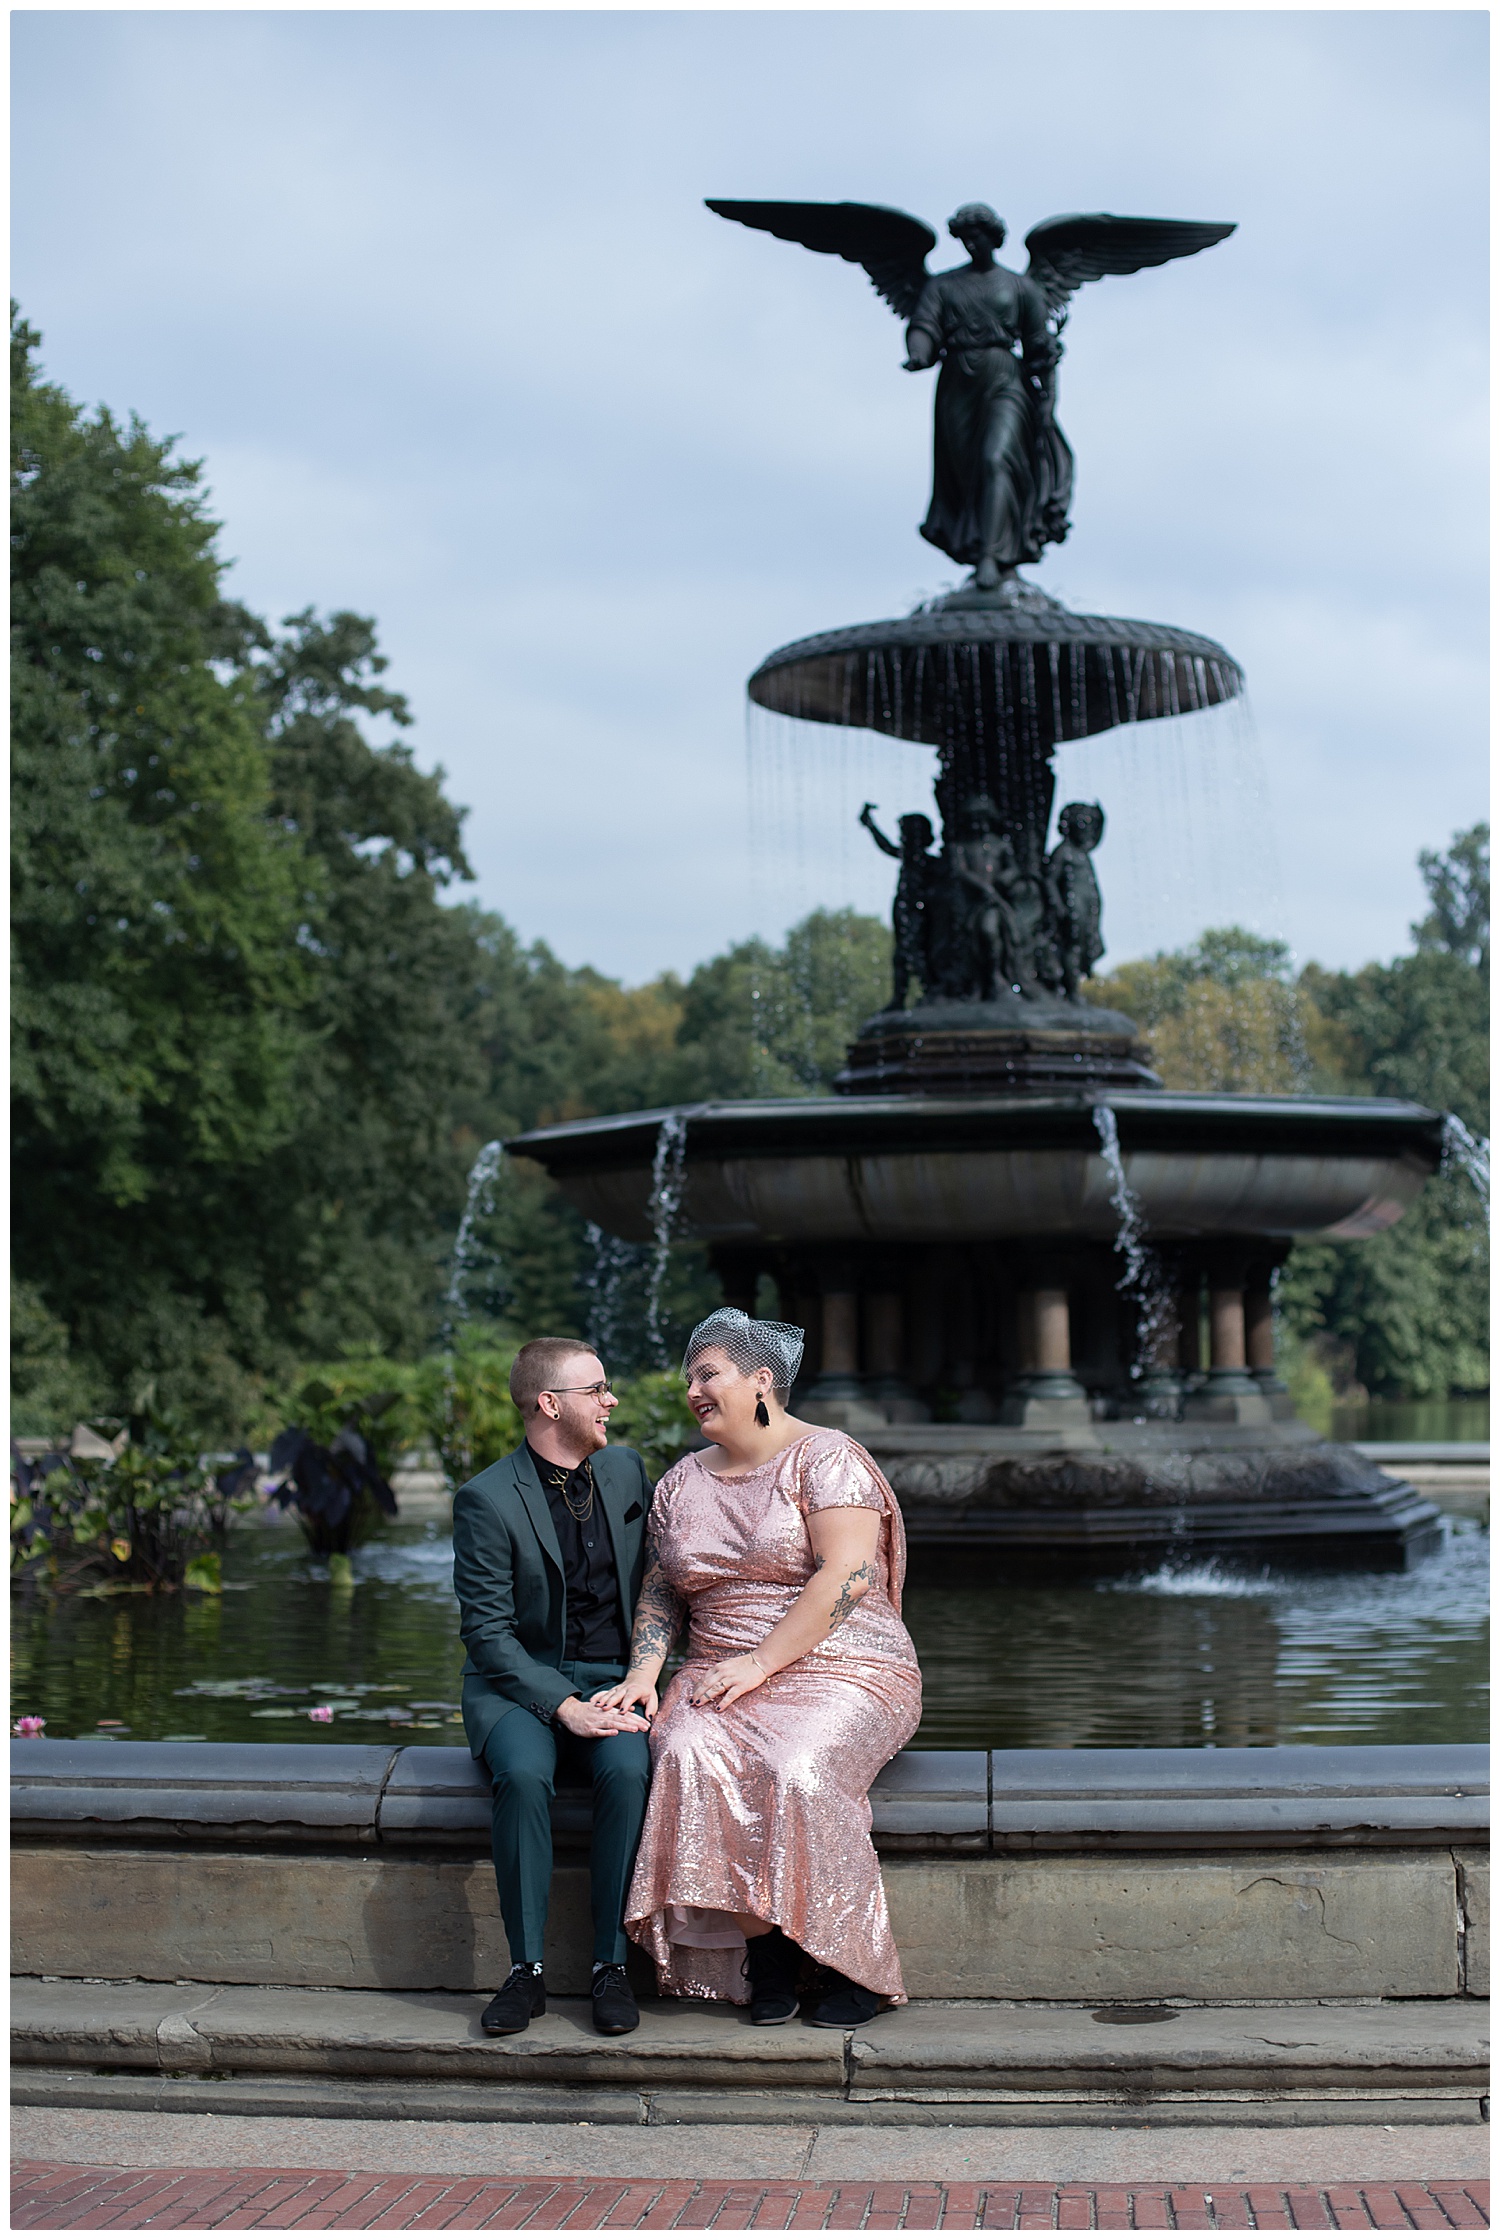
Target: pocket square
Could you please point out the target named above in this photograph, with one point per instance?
(633, 1512)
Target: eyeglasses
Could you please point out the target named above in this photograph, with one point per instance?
(594, 1391)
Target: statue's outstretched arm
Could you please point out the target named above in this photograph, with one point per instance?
(867, 819)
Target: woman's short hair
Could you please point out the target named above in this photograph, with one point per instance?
(978, 217)
(750, 1345)
(535, 1366)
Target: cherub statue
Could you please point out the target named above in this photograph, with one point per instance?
(987, 884)
(1002, 477)
(909, 916)
(1073, 891)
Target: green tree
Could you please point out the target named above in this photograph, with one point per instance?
(249, 1058)
(359, 1206)
(1407, 1312)
(157, 977)
(1458, 887)
(1224, 1014)
(759, 1021)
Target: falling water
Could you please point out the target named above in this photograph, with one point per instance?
(1142, 1280)
(482, 1177)
(1191, 840)
(1470, 1154)
(604, 1286)
(668, 1174)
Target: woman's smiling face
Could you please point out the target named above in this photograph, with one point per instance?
(721, 1396)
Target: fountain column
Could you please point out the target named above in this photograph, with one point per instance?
(837, 1398)
(1046, 1396)
(887, 1388)
(1229, 1394)
(1226, 1329)
(1260, 1337)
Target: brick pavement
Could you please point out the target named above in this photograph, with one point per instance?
(58, 2197)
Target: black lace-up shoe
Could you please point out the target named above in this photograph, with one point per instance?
(615, 2010)
(840, 2004)
(520, 1999)
(772, 1965)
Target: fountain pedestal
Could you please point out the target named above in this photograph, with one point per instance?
(979, 1049)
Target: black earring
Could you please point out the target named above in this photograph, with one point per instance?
(760, 1415)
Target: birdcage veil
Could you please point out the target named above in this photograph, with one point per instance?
(751, 1345)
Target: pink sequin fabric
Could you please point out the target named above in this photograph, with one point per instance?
(764, 1808)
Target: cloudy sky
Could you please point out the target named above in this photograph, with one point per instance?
(435, 297)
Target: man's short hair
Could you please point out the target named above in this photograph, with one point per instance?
(538, 1364)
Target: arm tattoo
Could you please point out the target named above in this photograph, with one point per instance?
(848, 1599)
(658, 1618)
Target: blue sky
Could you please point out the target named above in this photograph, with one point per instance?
(435, 298)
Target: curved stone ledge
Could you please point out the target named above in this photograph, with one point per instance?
(317, 1795)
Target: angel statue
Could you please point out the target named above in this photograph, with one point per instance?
(1002, 475)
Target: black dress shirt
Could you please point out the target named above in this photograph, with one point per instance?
(596, 1627)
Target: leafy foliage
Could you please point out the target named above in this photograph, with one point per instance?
(465, 1407)
(1458, 887)
(1407, 1312)
(248, 1041)
(157, 977)
(760, 1021)
(48, 1389)
(1226, 1015)
(150, 1516)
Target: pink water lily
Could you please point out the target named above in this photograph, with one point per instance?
(28, 1726)
(322, 1712)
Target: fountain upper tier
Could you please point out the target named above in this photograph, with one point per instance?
(1011, 666)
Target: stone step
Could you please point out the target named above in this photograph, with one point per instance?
(960, 2061)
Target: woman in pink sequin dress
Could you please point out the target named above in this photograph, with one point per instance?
(782, 1547)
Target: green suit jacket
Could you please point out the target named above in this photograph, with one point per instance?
(508, 1576)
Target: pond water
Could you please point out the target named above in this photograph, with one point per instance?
(1190, 1655)
(1462, 1420)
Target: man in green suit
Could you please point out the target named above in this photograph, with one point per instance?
(547, 1555)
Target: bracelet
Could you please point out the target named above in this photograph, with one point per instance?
(754, 1659)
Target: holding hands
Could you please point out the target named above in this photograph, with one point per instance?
(600, 1716)
(723, 1684)
(625, 1695)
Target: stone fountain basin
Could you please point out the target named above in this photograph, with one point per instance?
(905, 1169)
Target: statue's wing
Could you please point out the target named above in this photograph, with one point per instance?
(1065, 252)
(892, 247)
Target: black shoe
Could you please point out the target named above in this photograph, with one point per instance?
(772, 1964)
(841, 2005)
(615, 2010)
(520, 1999)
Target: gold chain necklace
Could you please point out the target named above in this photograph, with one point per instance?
(562, 1479)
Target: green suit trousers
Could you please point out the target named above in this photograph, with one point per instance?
(522, 1753)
